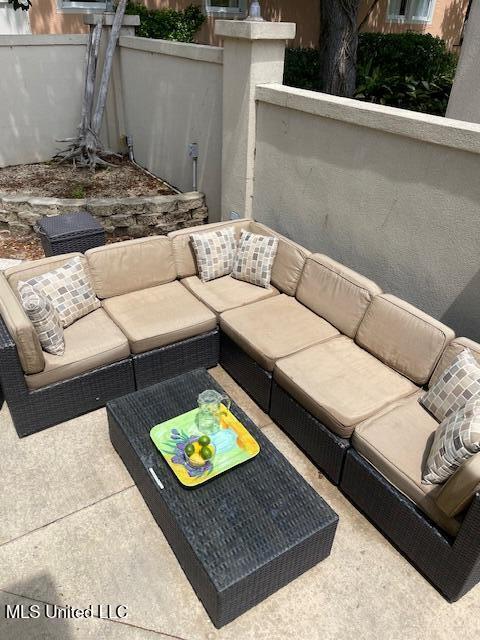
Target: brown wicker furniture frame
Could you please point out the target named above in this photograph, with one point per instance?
(32, 411)
(324, 448)
(451, 565)
(247, 373)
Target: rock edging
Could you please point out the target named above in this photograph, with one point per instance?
(134, 216)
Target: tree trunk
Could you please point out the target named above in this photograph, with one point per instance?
(107, 66)
(86, 149)
(338, 46)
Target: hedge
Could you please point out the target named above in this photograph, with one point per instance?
(407, 70)
(167, 24)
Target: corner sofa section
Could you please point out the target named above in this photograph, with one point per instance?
(337, 363)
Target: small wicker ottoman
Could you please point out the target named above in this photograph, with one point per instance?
(69, 233)
(241, 536)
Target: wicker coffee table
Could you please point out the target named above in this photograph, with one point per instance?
(239, 537)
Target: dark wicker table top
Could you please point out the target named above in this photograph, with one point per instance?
(240, 520)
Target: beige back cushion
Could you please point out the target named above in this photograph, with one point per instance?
(459, 489)
(451, 352)
(289, 261)
(129, 266)
(184, 255)
(403, 337)
(30, 269)
(335, 293)
(21, 329)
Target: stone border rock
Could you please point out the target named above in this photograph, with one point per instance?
(134, 216)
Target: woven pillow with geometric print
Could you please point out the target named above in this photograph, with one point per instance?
(215, 252)
(458, 384)
(44, 318)
(456, 440)
(69, 290)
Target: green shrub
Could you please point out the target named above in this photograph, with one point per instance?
(406, 54)
(406, 70)
(302, 69)
(167, 24)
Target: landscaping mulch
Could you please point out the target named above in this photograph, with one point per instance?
(50, 179)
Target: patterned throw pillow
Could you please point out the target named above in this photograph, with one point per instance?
(457, 385)
(255, 258)
(456, 439)
(69, 290)
(44, 319)
(215, 253)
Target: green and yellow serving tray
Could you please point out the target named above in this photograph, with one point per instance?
(231, 445)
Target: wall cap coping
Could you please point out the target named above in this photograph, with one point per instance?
(75, 203)
(107, 19)
(456, 134)
(250, 30)
(43, 40)
(199, 52)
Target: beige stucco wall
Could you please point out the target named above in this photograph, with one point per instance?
(40, 89)
(390, 193)
(173, 96)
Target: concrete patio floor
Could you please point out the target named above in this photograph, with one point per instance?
(75, 531)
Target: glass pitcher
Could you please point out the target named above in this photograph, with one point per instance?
(209, 411)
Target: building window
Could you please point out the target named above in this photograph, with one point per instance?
(411, 10)
(225, 8)
(83, 6)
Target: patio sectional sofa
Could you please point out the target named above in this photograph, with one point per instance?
(337, 363)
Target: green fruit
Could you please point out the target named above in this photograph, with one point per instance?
(206, 453)
(189, 449)
(204, 441)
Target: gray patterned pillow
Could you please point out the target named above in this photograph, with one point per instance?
(255, 258)
(69, 290)
(215, 253)
(44, 319)
(457, 385)
(456, 439)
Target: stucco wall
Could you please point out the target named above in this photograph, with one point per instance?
(172, 97)
(392, 194)
(40, 89)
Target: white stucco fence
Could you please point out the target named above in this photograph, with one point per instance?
(392, 194)
(40, 94)
(172, 96)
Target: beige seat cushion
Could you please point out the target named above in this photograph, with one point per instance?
(226, 293)
(91, 342)
(275, 328)
(183, 252)
(397, 445)
(335, 293)
(158, 316)
(454, 348)
(21, 329)
(403, 337)
(289, 260)
(133, 265)
(341, 384)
